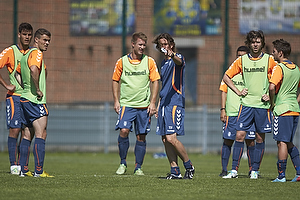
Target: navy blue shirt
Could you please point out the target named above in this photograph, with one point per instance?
(172, 78)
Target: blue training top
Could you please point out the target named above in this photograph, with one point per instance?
(172, 78)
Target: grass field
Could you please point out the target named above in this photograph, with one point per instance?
(92, 176)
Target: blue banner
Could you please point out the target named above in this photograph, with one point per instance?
(270, 16)
(100, 17)
(187, 17)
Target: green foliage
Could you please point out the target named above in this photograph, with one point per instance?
(92, 176)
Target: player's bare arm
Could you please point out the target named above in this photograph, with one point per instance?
(230, 84)
(19, 79)
(115, 89)
(272, 95)
(7, 86)
(35, 74)
(298, 97)
(223, 103)
(152, 107)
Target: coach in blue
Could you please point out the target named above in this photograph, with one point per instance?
(170, 114)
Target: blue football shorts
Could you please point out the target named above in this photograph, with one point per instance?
(261, 118)
(229, 129)
(13, 112)
(170, 120)
(139, 116)
(32, 111)
(284, 128)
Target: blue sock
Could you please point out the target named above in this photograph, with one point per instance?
(188, 164)
(294, 154)
(250, 154)
(237, 153)
(39, 154)
(281, 167)
(123, 144)
(12, 150)
(226, 150)
(175, 170)
(24, 154)
(258, 155)
(139, 152)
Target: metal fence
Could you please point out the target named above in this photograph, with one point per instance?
(91, 128)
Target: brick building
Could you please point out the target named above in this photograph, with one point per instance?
(80, 68)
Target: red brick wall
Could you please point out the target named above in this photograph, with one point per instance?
(83, 76)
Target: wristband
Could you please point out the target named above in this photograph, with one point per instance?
(172, 56)
(222, 109)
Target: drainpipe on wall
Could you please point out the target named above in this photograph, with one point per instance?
(226, 45)
(124, 27)
(15, 31)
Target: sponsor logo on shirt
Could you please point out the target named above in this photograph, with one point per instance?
(238, 83)
(254, 69)
(138, 73)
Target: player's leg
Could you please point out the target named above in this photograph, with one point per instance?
(263, 124)
(250, 143)
(250, 152)
(25, 152)
(171, 152)
(238, 149)
(13, 150)
(281, 162)
(142, 127)
(173, 159)
(294, 155)
(229, 133)
(225, 154)
(282, 135)
(179, 149)
(175, 126)
(237, 153)
(124, 123)
(139, 152)
(39, 126)
(123, 144)
(178, 146)
(174, 148)
(244, 126)
(259, 151)
(293, 150)
(161, 129)
(14, 123)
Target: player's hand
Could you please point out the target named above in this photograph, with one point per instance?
(117, 107)
(223, 116)
(39, 94)
(151, 109)
(11, 88)
(265, 97)
(244, 92)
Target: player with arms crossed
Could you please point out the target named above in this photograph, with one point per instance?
(133, 99)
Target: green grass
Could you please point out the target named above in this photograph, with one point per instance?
(92, 176)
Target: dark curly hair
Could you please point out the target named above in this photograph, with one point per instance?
(166, 36)
(254, 35)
